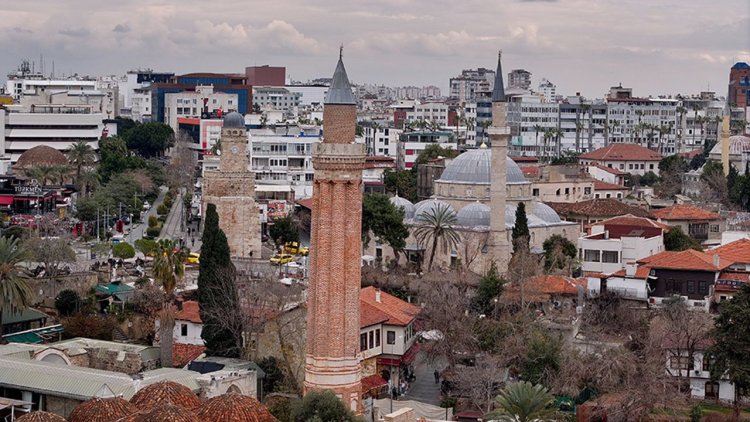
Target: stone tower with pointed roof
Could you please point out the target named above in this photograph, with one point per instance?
(499, 135)
(332, 347)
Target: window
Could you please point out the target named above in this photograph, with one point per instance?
(390, 337)
(708, 361)
(590, 255)
(377, 337)
(535, 192)
(703, 287)
(712, 390)
(622, 166)
(372, 339)
(183, 330)
(714, 228)
(587, 190)
(679, 362)
(650, 166)
(611, 257)
(363, 342)
(630, 166)
(691, 286)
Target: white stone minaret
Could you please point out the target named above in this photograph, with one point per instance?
(499, 135)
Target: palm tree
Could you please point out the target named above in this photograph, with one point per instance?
(523, 402)
(88, 181)
(42, 173)
(60, 173)
(436, 227)
(680, 113)
(168, 269)
(15, 293)
(81, 155)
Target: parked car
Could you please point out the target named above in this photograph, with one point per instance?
(146, 206)
(296, 248)
(193, 258)
(281, 258)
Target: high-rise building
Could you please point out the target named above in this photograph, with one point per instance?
(266, 75)
(739, 89)
(332, 355)
(519, 79)
(471, 83)
(548, 90)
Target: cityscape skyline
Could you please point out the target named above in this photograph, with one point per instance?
(396, 43)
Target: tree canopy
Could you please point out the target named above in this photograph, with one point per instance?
(433, 151)
(558, 253)
(384, 220)
(150, 139)
(490, 288)
(402, 182)
(284, 230)
(521, 228)
(677, 240)
(323, 406)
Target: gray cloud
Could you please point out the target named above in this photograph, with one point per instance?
(121, 28)
(80, 32)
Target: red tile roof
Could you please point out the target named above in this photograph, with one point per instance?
(622, 152)
(599, 207)
(530, 171)
(190, 312)
(397, 311)
(520, 159)
(737, 251)
(102, 410)
(614, 171)
(40, 416)
(599, 185)
(550, 285)
(182, 354)
(630, 220)
(305, 203)
(690, 260)
(684, 212)
(165, 392)
(691, 154)
(234, 407)
(370, 315)
(373, 381)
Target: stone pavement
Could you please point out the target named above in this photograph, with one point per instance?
(424, 388)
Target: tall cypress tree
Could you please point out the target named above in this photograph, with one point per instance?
(217, 292)
(520, 234)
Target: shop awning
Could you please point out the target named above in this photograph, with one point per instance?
(6, 200)
(373, 381)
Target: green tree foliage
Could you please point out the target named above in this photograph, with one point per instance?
(274, 377)
(436, 227)
(323, 406)
(217, 292)
(124, 125)
(559, 252)
(738, 187)
(115, 157)
(402, 182)
(671, 170)
(567, 157)
(648, 179)
(542, 358)
(123, 250)
(147, 247)
(732, 344)
(150, 139)
(284, 230)
(433, 151)
(676, 240)
(18, 232)
(490, 288)
(81, 155)
(153, 221)
(15, 293)
(520, 234)
(523, 402)
(384, 220)
(67, 302)
(168, 269)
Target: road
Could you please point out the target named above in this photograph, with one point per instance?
(137, 230)
(424, 388)
(175, 230)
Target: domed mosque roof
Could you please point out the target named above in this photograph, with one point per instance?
(474, 166)
(738, 144)
(474, 215)
(232, 407)
(545, 212)
(540, 216)
(40, 416)
(162, 413)
(234, 120)
(427, 205)
(101, 410)
(165, 392)
(404, 204)
(41, 155)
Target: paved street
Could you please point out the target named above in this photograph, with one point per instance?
(174, 229)
(137, 230)
(424, 388)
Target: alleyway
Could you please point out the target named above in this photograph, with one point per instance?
(424, 388)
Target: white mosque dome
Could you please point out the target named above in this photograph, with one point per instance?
(473, 167)
(405, 205)
(427, 205)
(545, 212)
(474, 215)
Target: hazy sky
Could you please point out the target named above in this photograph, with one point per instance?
(654, 46)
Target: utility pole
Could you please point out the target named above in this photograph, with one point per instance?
(98, 237)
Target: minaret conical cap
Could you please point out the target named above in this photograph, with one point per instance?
(498, 93)
(340, 91)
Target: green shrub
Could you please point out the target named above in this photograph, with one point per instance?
(152, 221)
(153, 231)
(162, 209)
(67, 302)
(123, 250)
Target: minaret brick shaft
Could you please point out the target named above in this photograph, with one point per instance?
(499, 135)
(332, 360)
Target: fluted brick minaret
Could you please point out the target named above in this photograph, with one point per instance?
(499, 135)
(332, 353)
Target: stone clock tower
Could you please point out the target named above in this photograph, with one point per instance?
(232, 189)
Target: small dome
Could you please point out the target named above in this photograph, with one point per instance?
(474, 166)
(405, 205)
(163, 413)
(40, 417)
(427, 205)
(510, 215)
(234, 120)
(165, 392)
(738, 144)
(545, 212)
(234, 407)
(102, 410)
(474, 215)
(41, 155)
(534, 221)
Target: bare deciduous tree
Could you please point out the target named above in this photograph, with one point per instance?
(482, 382)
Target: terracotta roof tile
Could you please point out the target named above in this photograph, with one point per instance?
(630, 220)
(684, 212)
(622, 152)
(600, 207)
(40, 416)
(182, 354)
(599, 185)
(234, 407)
(530, 171)
(165, 392)
(305, 203)
(370, 315)
(398, 311)
(540, 288)
(190, 312)
(690, 260)
(737, 251)
(102, 410)
(163, 413)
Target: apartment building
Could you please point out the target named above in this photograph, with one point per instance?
(411, 144)
(382, 141)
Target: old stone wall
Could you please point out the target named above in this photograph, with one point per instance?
(49, 288)
(60, 405)
(119, 361)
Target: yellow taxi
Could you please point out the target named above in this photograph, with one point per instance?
(296, 248)
(193, 258)
(281, 258)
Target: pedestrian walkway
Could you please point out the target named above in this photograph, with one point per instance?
(137, 230)
(175, 229)
(424, 389)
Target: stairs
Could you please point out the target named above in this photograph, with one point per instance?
(119, 335)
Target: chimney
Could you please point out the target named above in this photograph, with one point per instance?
(630, 268)
(716, 260)
(606, 234)
(377, 295)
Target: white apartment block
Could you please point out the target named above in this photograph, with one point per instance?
(382, 141)
(436, 113)
(468, 85)
(284, 160)
(548, 90)
(276, 98)
(582, 125)
(191, 103)
(36, 84)
(531, 121)
(412, 143)
(649, 122)
(520, 79)
(57, 126)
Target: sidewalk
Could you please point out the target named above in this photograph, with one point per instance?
(424, 389)
(175, 229)
(137, 230)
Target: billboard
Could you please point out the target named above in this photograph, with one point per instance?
(276, 209)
